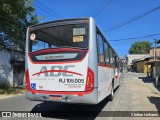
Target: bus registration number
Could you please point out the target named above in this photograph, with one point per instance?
(55, 98)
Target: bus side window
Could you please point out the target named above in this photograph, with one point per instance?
(111, 57)
(100, 49)
(114, 58)
(116, 61)
(106, 51)
(119, 65)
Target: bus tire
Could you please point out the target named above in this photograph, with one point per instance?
(110, 98)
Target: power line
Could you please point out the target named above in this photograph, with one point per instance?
(44, 10)
(103, 8)
(49, 9)
(136, 37)
(133, 19)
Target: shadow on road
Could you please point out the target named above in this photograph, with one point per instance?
(149, 80)
(155, 101)
(69, 111)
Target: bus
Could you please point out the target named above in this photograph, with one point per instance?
(70, 61)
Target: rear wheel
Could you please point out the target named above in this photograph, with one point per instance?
(112, 93)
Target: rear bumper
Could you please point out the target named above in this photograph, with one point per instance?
(91, 98)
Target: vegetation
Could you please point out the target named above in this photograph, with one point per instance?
(15, 17)
(6, 89)
(141, 47)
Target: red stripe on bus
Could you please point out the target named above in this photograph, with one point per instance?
(104, 65)
(57, 50)
(60, 92)
(64, 71)
(116, 76)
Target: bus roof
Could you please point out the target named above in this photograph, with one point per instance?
(61, 20)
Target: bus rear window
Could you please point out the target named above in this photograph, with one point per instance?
(74, 36)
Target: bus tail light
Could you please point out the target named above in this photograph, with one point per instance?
(89, 80)
(27, 80)
(86, 21)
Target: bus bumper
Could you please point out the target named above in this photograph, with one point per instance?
(91, 98)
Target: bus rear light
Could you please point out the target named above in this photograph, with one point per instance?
(86, 21)
(27, 80)
(30, 28)
(90, 80)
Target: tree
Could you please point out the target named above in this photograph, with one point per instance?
(15, 17)
(141, 47)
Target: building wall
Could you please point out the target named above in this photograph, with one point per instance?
(157, 71)
(151, 60)
(147, 68)
(142, 67)
(131, 57)
(9, 73)
(6, 69)
(157, 51)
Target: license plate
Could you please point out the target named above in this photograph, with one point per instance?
(55, 98)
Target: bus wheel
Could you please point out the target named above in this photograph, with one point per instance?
(112, 93)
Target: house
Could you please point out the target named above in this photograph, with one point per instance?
(154, 60)
(12, 67)
(131, 58)
(141, 65)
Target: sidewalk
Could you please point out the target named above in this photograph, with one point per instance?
(148, 96)
(150, 82)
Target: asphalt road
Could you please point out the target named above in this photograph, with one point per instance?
(132, 95)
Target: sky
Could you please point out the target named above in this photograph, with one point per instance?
(129, 15)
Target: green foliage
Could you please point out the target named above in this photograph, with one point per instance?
(141, 47)
(6, 89)
(15, 17)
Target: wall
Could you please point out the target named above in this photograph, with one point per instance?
(131, 57)
(151, 60)
(157, 73)
(9, 73)
(142, 67)
(157, 51)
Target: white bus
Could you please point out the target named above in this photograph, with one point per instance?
(70, 61)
